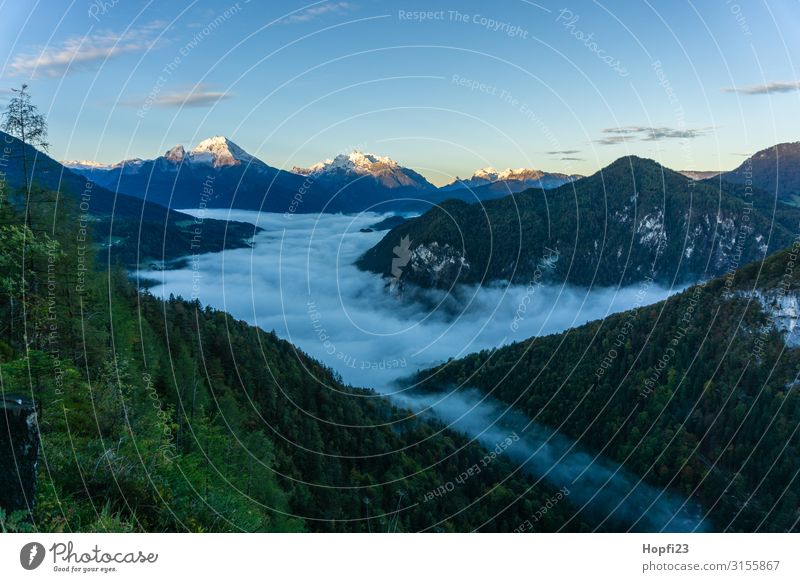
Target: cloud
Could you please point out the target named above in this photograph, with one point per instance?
(569, 159)
(299, 280)
(601, 485)
(614, 139)
(315, 12)
(195, 97)
(563, 152)
(766, 88)
(81, 53)
(355, 325)
(644, 133)
(191, 99)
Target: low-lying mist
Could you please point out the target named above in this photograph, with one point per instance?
(609, 494)
(299, 280)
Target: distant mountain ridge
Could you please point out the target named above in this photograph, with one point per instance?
(216, 173)
(387, 172)
(347, 183)
(351, 182)
(511, 180)
(134, 231)
(358, 181)
(634, 220)
(776, 170)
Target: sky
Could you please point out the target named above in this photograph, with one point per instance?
(443, 87)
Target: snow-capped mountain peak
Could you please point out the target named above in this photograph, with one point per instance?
(366, 162)
(88, 165)
(357, 163)
(516, 178)
(176, 154)
(492, 175)
(84, 165)
(219, 151)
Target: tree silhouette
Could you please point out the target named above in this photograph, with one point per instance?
(23, 120)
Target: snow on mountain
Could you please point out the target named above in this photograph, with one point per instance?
(176, 155)
(525, 177)
(489, 175)
(89, 165)
(346, 167)
(219, 151)
(84, 165)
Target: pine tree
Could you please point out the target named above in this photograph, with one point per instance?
(23, 120)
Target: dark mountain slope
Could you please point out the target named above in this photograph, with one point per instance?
(698, 393)
(216, 174)
(632, 221)
(133, 230)
(164, 416)
(776, 170)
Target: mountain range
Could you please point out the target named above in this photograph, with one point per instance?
(631, 221)
(218, 173)
(511, 180)
(775, 169)
(132, 230)
(698, 392)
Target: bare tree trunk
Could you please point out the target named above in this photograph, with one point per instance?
(27, 183)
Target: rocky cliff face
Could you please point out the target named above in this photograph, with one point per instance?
(783, 310)
(19, 452)
(437, 265)
(633, 220)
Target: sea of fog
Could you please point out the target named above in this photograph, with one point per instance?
(298, 279)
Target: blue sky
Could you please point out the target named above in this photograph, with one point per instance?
(566, 86)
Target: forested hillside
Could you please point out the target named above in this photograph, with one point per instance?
(775, 169)
(137, 231)
(632, 221)
(698, 392)
(163, 416)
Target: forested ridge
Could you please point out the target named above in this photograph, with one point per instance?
(698, 393)
(138, 231)
(165, 416)
(633, 220)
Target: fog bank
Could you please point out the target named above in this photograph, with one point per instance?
(299, 280)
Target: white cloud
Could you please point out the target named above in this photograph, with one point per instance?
(271, 285)
(80, 53)
(628, 133)
(193, 98)
(316, 11)
(766, 88)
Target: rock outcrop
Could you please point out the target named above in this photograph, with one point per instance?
(19, 452)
